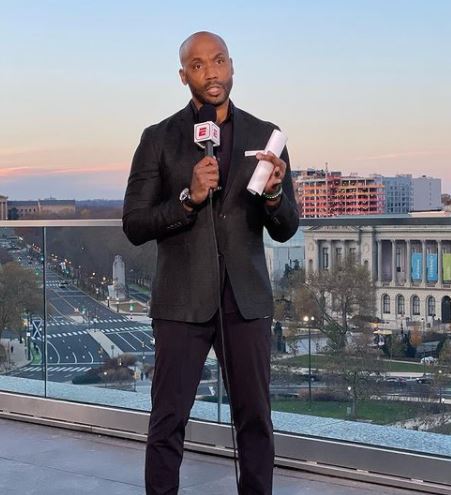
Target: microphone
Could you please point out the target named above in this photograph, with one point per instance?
(206, 133)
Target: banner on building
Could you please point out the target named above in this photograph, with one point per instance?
(432, 267)
(446, 267)
(417, 266)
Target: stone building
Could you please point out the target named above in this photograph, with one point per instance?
(410, 265)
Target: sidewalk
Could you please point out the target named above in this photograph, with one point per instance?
(16, 353)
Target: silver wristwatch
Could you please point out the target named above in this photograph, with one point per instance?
(185, 198)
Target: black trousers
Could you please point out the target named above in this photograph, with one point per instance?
(180, 353)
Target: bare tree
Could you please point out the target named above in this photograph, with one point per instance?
(19, 293)
(444, 358)
(293, 298)
(343, 293)
(356, 368)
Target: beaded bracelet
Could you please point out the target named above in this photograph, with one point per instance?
(273, 196)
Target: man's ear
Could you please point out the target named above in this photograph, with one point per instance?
(231, 64)
(182, 77)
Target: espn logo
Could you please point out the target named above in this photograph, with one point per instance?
(206, 131)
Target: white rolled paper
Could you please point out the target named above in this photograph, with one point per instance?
(263, 170)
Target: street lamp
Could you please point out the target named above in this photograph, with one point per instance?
(144, 356)
(351, 399)
(108, 301)
(440, 387)
(309, 322)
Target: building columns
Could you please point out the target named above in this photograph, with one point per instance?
(379, 261)
(423, 265)
(393, 262)
(329, 250)
(408, 263)
(316, 255)
(439, 263)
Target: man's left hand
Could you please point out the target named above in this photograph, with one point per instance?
(278, 173)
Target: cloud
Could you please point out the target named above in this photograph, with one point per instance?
(104, 180)
(397, 155)
(13, 173)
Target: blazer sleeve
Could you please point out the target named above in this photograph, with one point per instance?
(147, 214)
(282, 221)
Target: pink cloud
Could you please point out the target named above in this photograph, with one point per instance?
(402, 154)
(12, 173)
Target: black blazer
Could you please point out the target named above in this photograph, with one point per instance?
(185, 287)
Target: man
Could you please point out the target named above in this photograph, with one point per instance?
(167, 199)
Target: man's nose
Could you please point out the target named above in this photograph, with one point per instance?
(211, 71)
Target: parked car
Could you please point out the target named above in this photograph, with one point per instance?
(314, 377)
(425, 380)
(396, 380)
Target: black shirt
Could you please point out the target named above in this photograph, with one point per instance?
(223, 154)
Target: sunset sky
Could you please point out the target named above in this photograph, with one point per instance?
(363, 85)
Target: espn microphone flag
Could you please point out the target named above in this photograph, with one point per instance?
(206, 131)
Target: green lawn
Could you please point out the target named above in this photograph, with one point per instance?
(379, 412)
(320, 361)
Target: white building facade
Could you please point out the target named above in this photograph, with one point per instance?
(410, 265)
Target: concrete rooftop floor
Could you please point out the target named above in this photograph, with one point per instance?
(41, 460)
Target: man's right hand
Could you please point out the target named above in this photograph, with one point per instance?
(205, 177)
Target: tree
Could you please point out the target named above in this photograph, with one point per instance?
(343, 293)
(19, 293)
(3, 356)
(93, 249)
(414, 340)
(293, 300)
(356, 367)
(5, 257)
(444, 358)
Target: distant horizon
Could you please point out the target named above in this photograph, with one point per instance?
(121, 198)
(363, 86)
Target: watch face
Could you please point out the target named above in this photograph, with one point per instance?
(184, 195)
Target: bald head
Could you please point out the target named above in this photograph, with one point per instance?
(208, 70)
(186, 46)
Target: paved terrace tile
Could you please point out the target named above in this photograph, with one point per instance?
(41, 460)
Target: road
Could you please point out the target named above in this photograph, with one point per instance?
(72, 317)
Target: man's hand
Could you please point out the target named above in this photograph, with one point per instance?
(205, 177)
(276, 177)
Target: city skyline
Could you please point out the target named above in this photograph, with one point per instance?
(364, 88)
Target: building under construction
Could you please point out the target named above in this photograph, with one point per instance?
(321, 193)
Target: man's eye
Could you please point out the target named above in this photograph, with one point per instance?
(197, 66)
(220, 61)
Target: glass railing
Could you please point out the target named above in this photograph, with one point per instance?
(362, 333)
(360, 352)
(75, 324)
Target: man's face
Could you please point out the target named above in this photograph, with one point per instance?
(207, 69)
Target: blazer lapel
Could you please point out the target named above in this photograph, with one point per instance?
(237, 163)
(187, 150)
